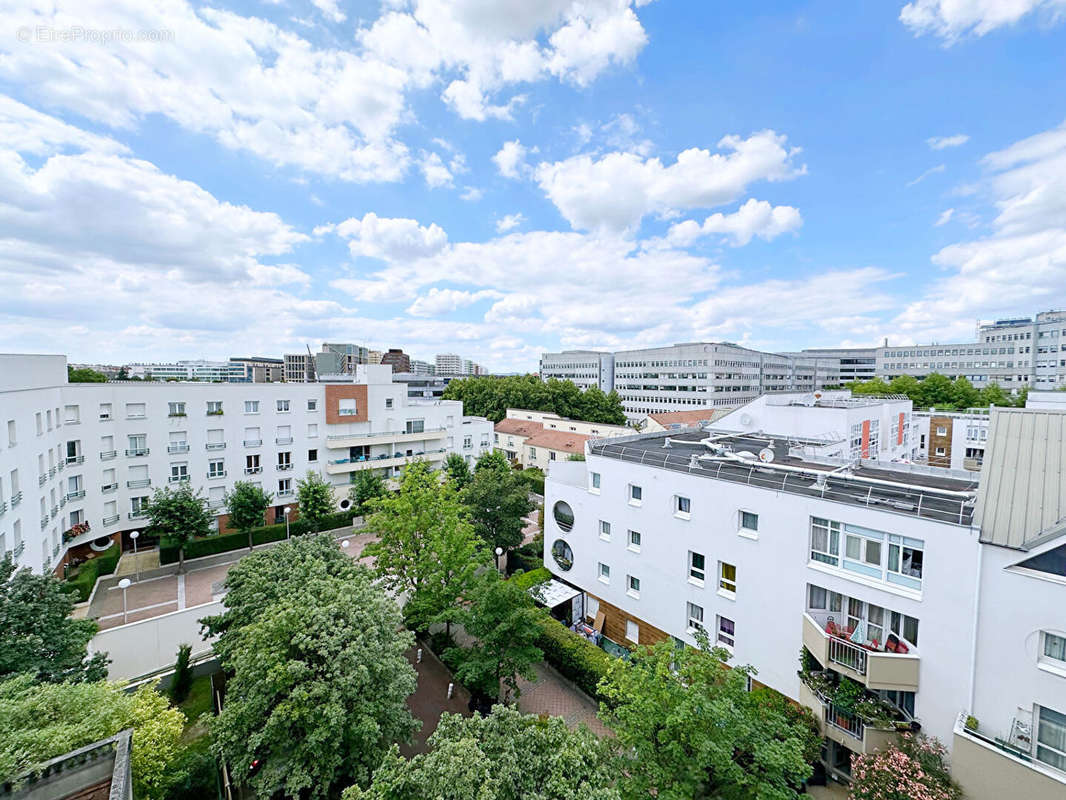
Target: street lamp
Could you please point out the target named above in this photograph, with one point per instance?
(136, 564)
(287, 511)
(346, 544)
(499, 552)
(124, 584)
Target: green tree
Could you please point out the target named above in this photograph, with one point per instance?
(935, 391)
(875, 386)
(316, 499)
(963, 395)
(123, 374)
(503, 756)
(915, 767)
(993, 395)
(505, 626)
(320, 682)
(38, 635)
(457, 470)
(246, 505)
(40, 721)
(688, 728)
(84, 375)
(905, 384)
(425, 546)
(178, 515)
(181, 681)
(1022, 397)
(497, 499)
(491, 397)
(368, 485)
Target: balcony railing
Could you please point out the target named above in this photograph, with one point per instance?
(76, 530)
(55, 511)
(75, 459)
(108, 487)
(177, 478)
(137, 451)
(107, 455)
(61, 465)
(178, 448)
(428, 433)
(852, 726)
(3, 507)
(283, 440)
(111, 520)
(874, 668)
(284, 492)
(253, 442)
(44, 522)
(347, 412)
(141, 514)
(140, 483)
(221, 474)
(76, 495)
(42, 480)
(51, 472)
(284, 467)
(252, 470)
(62, 500)
(216, 445)
(16, 498)
(848, 655)
(20, 548)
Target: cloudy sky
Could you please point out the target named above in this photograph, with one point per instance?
(501, 177)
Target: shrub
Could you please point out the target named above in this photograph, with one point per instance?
(575, 657)
(534, 478)
(182, 680)
(84, 578)
(528, 557)
(525, 580)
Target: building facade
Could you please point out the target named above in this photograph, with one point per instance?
(79, 461)
(261, 370)
(585, 368)
(536, 438)
(397, 359)
(208, 371)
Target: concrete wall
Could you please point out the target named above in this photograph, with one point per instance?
(986, 772)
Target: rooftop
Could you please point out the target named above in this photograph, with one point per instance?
(792, 465)
(565, 441)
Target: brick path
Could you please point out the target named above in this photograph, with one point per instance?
(554, 695)
(430, 698)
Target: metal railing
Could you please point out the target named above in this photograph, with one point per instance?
(61, 465)
(847, 654)
(252, 470)
(140, 483)
(283, 440)
(111, 519)
(430, 433)
(16, 498)
(177, 478)
(107, 455)
(221, 474)
(44, 522)
(178, 448)
(283, 467)
(253, 442)
(137, 451)
(216, 446)
(108, 487)
(76, 495)
(75, 459)
(137, 514)
(42, 480)
(20, 548)
(3, 506)
(851, 725)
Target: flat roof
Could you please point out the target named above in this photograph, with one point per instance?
(925, 492)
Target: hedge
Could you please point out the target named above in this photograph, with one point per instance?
(213, 545)
(84, 578)
(574, 656)
(526, 580)
(534, 478)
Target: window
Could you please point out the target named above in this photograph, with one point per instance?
(138, 504)
(135, 410)
(312, 405)
(634, 542)
(179, 472)
(726, 632)
(825, 541)
(283, 406)
(468, 442)
(632, 631)
(251, 406)
(941, 430)
(551, 455)
(283, 434)
(941, 451)
(285, 460)
(563, 555)
(564, 515)
(633, 586)
(251, 465)
(636, 495)
(216, 468)
(682, 506)
(416, 426)
(312, 455)
(605, 573)
(860, 548)
(695, 617)
(176, 409)
(71, 415)
(1053, 650)
(594, 481)
(1051, 738)
(138, 445)
(312, 431)
(697, 567)
(284, 486)
(252, 437)
(727, 579)
(605, 530)
(905, 560)
(105, 412)
(749, 522)
(214, 407)
(388, 402)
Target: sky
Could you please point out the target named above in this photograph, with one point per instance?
(498, 178)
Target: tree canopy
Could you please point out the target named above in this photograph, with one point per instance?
(316, 499)
(503, 756)
(939, 391)
(457, 470)
(914, 767)
(40, 721)
(368, 485)
(320, 679)
(497, 499)
(688, 728)
(37, 634)
(84, 375)
(246, 505)
(491, 397)
(179, 515)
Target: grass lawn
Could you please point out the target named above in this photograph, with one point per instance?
(198, 701)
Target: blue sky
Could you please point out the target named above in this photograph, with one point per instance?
(501, 177)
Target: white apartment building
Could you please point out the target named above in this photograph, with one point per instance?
(904, 578)
(584, 368)
(953, 439)
(94, 452)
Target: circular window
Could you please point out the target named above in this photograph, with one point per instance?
(346, 504)
(564, 515)
(101, 544)
(563, 555)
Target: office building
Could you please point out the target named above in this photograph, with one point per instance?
(397, 359)
(80, 461)
(794, 522)
(260, 370)
(422, 367)
(198, 370)
(584, 368)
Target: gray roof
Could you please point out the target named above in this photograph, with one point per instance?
(1022, 497)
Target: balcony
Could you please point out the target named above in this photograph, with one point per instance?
(874, 669)
(107, 455)
(253, 442)
(252, 470)
(284, 467)
(284, 492)
(51, 472)
(283, 440)
(20, 548)
(108, 487)
(61, 466)
(74, 531)
(177, 478)
(55, 511)
(216, 445)
(42, 480)
(76, 495)
(139, 514)
(62, 500)
(997, 764)
(212, 475)
(137, 451)
(75, 459)
(347, 412)
(140, 483)
(342, 466)
(382, 437)
(178, 448)
(16, 498)
(111, 520)
(847, 729)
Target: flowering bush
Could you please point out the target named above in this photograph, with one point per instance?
(914, 769)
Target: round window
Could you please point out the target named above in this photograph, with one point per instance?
(564, 515)
(345, 504)
(563, 555)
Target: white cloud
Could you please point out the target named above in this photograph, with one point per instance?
(434, 171)
(330, 10)
(618, 190)
(443, 301)
(931, 171)
(510, 160)
(28, 131)
(509, 222)
(390, 238)
(753, 218)
(953, 19)
(471, 194)
(945, 217)
(943, 142)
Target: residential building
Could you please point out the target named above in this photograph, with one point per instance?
(422, 386)
(374, 356)
(584, 368)
(452, 365)
(82, 459)
(397, 359)
(937, 594)
(535, 438)
(334, 358)
(422, 367)
(952, 439)
(260, 370)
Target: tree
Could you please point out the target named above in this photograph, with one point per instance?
(688, 728)
(993, 395)
(40, 721)
(457, 470)
(915, 767)
(181, 681)
(320, 681)
(503, 756)
(505, 626)
(316, 499)
(38, 635)
(491, 397)
(497, 499)
(425, 547)
(875, 386)
(179, 515)
(368, 485)
(123, 374)
(905, 384)
(246, 505)
(963, 395)
(84, 375)
(1023, 396)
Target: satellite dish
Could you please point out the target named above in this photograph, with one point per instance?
(766, 455)
(745, 419)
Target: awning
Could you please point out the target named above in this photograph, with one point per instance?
(552, 593)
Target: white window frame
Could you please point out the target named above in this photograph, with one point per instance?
(632, 633)
(603, 573)
(283, 406)
(727, 587)
(1038, 745)
(633, 586)
(1047, 662)
(594, 482)
(633, 546)
(605, 530)
(251, 406)
(697, 576)
(639, 490)
(722, 637)
(682, 507)
(694, 620)
(744, 530)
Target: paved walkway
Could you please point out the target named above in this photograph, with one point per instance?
(160, 591)
(554, 695)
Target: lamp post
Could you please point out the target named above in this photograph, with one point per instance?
(134, 535)
(287, 511)
(346, 544)
(124, 584)
(499, 552)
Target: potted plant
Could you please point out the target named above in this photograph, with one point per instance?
(847, 695)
